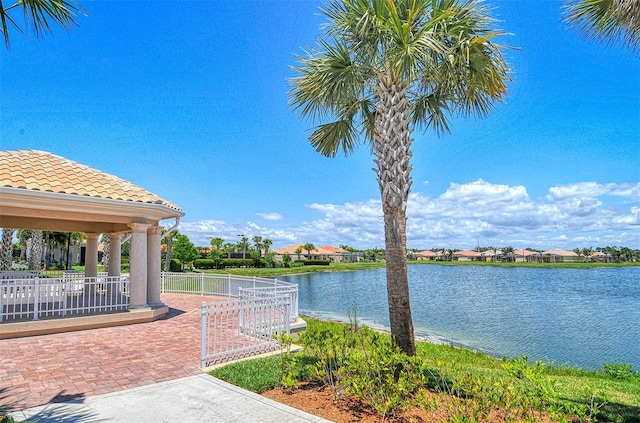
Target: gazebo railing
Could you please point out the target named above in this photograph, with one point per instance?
(35, 298)
(230, 286)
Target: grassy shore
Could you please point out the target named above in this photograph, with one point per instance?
(474, 380)
(345, 267)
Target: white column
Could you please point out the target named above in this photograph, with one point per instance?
(91, 256)
(115, 253)
(138, 265)
(154, 235)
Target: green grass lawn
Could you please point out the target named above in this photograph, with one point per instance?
(344, 267)
(483, 380)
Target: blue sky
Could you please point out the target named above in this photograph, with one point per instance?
(188, 99)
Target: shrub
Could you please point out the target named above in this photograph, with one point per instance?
(313, 262)
(233, 262)
(204, 264)
(175, 265)
(619, 371)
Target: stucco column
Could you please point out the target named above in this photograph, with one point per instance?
(115, 253)
(91, 256)
(154, 235)
(138, 265)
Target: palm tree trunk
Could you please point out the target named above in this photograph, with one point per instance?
(7, 249)
(106, 244)
(35, 261)
(392, 143)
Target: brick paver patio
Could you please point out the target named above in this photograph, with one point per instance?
(62, 367)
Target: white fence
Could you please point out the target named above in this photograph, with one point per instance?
(73, 294)
(241, 328)
(229, 286)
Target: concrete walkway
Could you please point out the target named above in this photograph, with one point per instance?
(199, 398)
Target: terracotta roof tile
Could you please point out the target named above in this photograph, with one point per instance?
(42, 171)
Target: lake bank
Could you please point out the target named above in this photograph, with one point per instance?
(563, 316)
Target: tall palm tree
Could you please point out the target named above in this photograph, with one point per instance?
(167, 239)
(35, 259)
(383, 68)
(38, 16)
(266, 243)
(217, 242)
(257, 240)
(6, 256)
(609, 21)
(308, 247)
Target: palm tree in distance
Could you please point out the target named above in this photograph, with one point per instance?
(383, 68)
(217, 242)
(308, 247)
(609, 21)
(298, 251)
(39, 15)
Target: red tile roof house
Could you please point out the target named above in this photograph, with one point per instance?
(467, 255)
(559, 255)
(40, 190)
(426, 255)
(326, 252)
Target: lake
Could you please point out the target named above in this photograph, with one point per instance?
(577, 317)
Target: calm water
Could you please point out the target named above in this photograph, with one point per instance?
(579, 317)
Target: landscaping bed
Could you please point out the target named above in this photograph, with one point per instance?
(347, 373)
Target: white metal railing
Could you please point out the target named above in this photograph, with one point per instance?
(33, 298)
(244, 327)
(229, 286)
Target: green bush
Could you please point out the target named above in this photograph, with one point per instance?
(175, 265)
(313, 262)
(204, 264)
(233, 262)
(619, 371)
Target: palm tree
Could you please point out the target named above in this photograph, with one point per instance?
(168, 239)
(383, 68)
(38, 16)
(217, 242)
(6, 258)
(229, 248)
(266, 243)
(106, 250)
(308, 247)
(609, 21)
(35, 259)
(257, 240)
(298, 251)
(23, 238)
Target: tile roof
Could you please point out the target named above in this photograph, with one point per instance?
(43, 171)
(325, 250)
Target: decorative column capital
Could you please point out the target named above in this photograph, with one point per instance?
(155, 230)
(92, 235)
(139, 227)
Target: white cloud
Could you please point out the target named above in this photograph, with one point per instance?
(270, 216)
(585, 214)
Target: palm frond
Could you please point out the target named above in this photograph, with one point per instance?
(329, 138)
(39, 15)
(607, 21)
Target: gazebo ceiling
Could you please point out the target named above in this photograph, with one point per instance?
(40, 190)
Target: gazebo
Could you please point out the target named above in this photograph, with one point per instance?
(40, 190)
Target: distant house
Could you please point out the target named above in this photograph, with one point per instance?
(491, 255)
(467, 255)
(559, 255)
(527, 256)
(426, 255)
(600, 256)
(326, 252)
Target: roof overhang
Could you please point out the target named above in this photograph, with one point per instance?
(22, 208)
